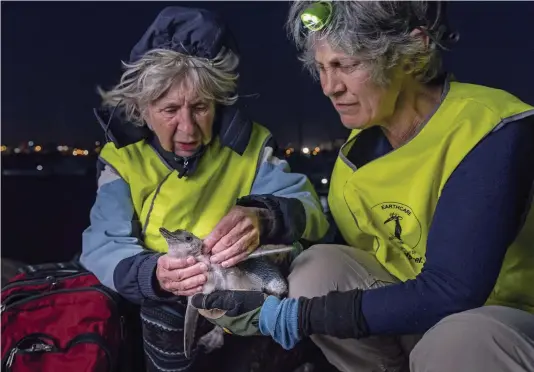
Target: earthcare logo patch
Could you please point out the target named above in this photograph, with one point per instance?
(402, 226)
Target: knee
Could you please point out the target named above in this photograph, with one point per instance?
(314, 272)
(321, 269)
(461, 341)
(445, 338)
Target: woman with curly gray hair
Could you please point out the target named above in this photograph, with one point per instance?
(431, 195)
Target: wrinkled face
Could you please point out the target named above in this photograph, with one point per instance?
(181, 120)
(182, 243)
(359, 101)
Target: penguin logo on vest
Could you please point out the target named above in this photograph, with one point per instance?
(399, 222)
(398, 228)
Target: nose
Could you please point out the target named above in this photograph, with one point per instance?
(331, 83)
(186, 123)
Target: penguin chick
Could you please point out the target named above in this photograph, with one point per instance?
(255, 274)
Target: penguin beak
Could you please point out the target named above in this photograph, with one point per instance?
(165, 233)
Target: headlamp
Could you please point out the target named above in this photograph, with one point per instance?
(317, 16)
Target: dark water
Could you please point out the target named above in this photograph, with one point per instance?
(43, 217)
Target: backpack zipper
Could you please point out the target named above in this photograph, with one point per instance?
(44, 347)
(60, 291)
(49, 278)
(54, 281)
(93, 338)
(35, 348)
(39, 345)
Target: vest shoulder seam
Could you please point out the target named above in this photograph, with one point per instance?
(476, 99)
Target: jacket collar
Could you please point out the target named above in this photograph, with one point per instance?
(231, 125)
(184, 165)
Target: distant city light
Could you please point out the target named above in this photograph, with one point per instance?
(94, 148)
(39, 167)
(324, 181)
(76, 152)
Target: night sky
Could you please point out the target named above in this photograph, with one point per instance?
(54, 54)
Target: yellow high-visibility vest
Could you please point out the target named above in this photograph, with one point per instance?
(195, 203)
(386, 206)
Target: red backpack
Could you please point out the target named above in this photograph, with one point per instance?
(59, 317)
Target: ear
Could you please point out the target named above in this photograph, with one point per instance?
(422, 34)
(409, 66)
(145, 115)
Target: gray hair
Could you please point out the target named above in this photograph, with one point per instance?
(150, 77)
(377, 32)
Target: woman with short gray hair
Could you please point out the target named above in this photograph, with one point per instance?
(154, 73)
(181, 155)
(431, 195)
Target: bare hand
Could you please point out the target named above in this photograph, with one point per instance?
(182, 277)
(236, 235)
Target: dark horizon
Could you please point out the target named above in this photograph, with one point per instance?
(56, 53)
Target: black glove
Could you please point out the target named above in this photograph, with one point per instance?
(337, 314)
(240, 310)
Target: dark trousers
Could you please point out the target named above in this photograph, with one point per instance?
(163, 336)
(162, 329)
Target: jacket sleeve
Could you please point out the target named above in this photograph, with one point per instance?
(111, 245)
(295, 209)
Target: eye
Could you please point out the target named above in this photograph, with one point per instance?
(201, 108)
(188, 239)
(170, 110)
(349, 67)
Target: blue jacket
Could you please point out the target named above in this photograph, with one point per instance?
(112, 248)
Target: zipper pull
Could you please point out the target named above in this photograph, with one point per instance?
(184, 168)
(11, 358)
(35, 348)
(53, 282)
(39, 347)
